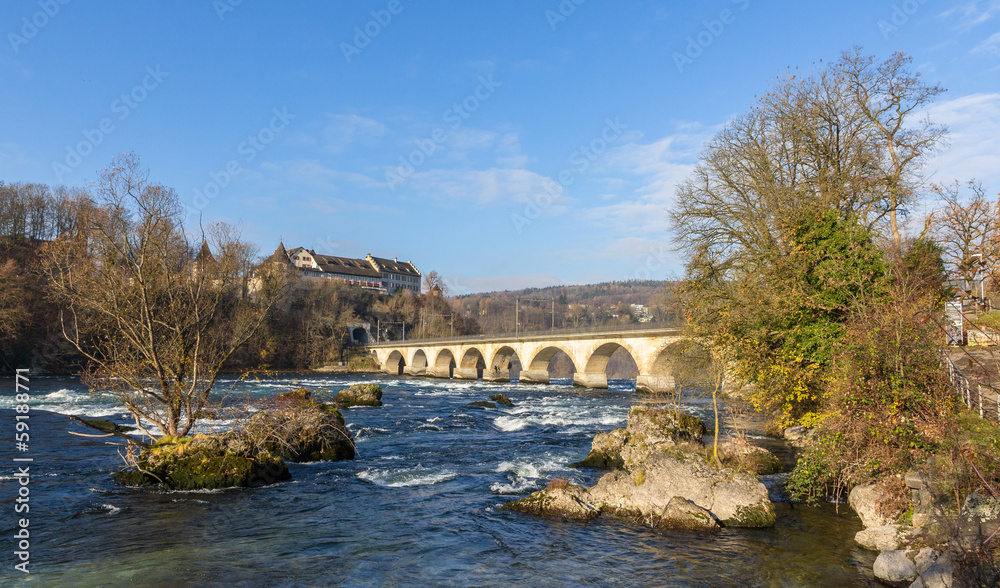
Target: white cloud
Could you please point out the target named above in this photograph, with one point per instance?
(344, 130)
(974, 150)
(480, 186)
(990, 45)
(974, 13)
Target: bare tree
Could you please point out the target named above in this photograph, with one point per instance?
(889, 96)
(155, 320)
(967, 231)
(839, 139)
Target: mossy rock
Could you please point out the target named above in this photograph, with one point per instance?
(502, 399)
(359, 395)
(297, 395)
(760, 515)
(202, 462)
(481, 404)
(600, 460)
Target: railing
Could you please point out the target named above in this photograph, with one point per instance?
(541, 333)
(978, 397)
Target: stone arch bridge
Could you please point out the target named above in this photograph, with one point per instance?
(491, 357)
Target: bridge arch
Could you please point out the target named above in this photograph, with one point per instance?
(504, 365)
(418, 362)
(597, 360)
(444, 364)
(544, 356)
(473, 364)
(395, 363)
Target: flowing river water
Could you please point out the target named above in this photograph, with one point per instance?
(418, 506)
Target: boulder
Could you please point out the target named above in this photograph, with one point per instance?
(299, 430)
(864, 501)
(203, 462)
(882, 538)
(481, 404)
(684, 514)
(569, 502)
(605, 451)
(940, 574)
(895, 568)
(359, 395)
(736, 500)
(649, 430)
(925, 558)
(744, 456)
(502, 399)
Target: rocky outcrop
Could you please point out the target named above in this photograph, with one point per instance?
(605, 451)
(681, 513)
(744, 456)
(203, 462)
(502, 399)
(481, 404)
(567, 503)
(647, 493)
(649, 430)
(359, 395)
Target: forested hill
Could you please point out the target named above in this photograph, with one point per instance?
(575, 306)
(605, 293)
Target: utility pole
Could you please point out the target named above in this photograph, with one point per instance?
(517, 303)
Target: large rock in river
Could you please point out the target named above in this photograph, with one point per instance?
(664, 491)
(300, 430)
(203, 462)
(734, 500)
(649, 430)
(360, 395)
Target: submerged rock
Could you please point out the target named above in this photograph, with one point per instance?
(481, 404)
(502, 399)
(359, 395)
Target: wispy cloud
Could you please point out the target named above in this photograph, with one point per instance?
(976, 12)
(974, 150)
(344, 130)
(990, 45)
(479, 186)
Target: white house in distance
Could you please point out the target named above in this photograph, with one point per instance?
(371, 273)
(396, 274)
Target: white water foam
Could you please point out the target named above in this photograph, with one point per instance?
(398, 478)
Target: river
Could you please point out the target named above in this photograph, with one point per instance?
(418, 506)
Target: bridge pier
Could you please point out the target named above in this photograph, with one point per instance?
(414, 371)
(654, 384)
(496, 375)
(436, 372)
(467, 373)
(534, 377)
(585, 380)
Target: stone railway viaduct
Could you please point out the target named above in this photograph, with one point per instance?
(491, 357)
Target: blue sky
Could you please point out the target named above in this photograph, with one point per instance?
(503, 144)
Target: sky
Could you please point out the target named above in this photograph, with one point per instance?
(502, 144)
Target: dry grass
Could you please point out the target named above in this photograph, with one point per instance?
(557, 483)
